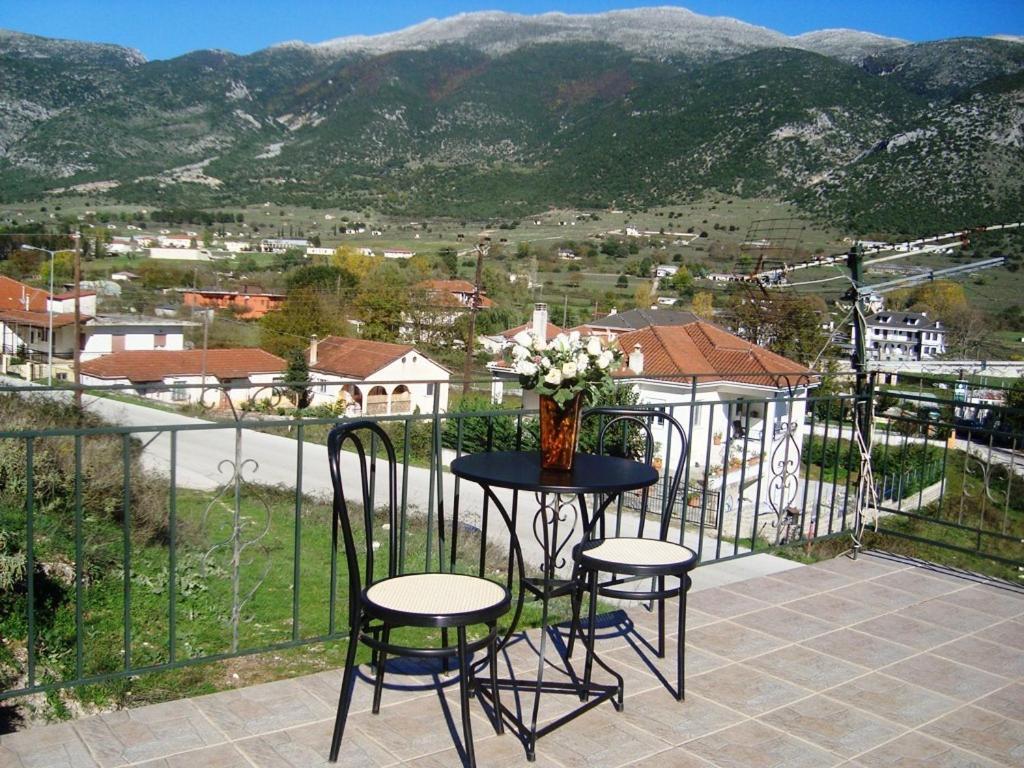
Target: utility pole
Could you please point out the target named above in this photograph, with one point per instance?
(202, 361)
(481, 249)
(76, 345)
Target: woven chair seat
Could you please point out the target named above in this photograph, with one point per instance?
(629, 551)
(437, 594)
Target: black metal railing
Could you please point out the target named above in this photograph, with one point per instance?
(135, 541)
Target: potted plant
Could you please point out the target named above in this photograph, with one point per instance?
(564, 372)
(717, 438)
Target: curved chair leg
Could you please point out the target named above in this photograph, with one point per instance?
(681, 641)
(445, 660)
(499, 724)
(591, 635)
(464, 683)
(576, 601)
(661, 618)
(378, 683)
(348, 680)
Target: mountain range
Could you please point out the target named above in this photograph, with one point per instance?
(493, 114)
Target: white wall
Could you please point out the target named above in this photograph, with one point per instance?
(99, 340)
(419, 374)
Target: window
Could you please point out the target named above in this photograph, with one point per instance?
(159, 340)
(430, 389)
(178, 391)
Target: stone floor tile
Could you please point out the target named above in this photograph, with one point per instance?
(945, 614)
(220, 756)
(992, 657)
(817, 579)
(982, 732)
(859, 648)
(915, 750)
(677, 757)
(308, 746)
(919, 583)
(894, 699)
(601, 738)
(398, 686)
(696, 661)
(719, 601)
(262, 708)
(785, 624)
(997, 602)
(732, 640)
(52, 746)
(864, 567)
(1008, 633)
(773, 590)
(946, 677)
(754, 745)
(491, 752)
(1008, 701)
(677, 721)
(882, 598)
(897, 628)
(806, 668)
(832, 725)
(744, 689)
(421, 726)
(147, 733)
(836, 610)
(646, 622)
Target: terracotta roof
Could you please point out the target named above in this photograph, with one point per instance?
(705, 350)
(12, 295)
(141, 366)
(358, 358)
(451, 286)
(38, 319)
(551, 330)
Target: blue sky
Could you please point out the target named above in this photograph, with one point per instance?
(166, 28)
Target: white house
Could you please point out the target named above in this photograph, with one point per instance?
(665, 270)
(237, 246)
(218, 377)
(180, 254)
(107, 334)
(398, 253)
(373, 378)
(176, 240)
(282, 244)
(903, 336)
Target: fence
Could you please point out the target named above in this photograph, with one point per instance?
(162, 541)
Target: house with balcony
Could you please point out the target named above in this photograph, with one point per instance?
(218, 378)
(373, 378)
(903, 336)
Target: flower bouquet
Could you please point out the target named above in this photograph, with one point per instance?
(564, 371)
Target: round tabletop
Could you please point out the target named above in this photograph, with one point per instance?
(521, 471)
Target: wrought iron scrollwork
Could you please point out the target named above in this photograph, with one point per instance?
(784, 480)
(554, 524)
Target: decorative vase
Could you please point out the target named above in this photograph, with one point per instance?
(559, 431)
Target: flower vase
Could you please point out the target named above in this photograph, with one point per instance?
(559, 431)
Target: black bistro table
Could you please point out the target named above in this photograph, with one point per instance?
(560, 521)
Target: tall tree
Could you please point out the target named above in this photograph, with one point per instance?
(303, 314)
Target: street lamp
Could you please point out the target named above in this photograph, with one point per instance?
(49, 306)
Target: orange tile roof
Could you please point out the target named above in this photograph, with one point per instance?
(710, 353)
(12, 295)
(358, 358)
(452, 286)
(141, 366)
(38, 319)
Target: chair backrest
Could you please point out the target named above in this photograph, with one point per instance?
(628, 431)
(367, 438)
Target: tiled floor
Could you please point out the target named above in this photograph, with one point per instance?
(874, 662)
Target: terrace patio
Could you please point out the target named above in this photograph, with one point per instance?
(879, 661)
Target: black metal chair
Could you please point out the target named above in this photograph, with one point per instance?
(380, 603)
(619, 566)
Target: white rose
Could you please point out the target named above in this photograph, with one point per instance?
(604, 359)
(539, 345)
(526, 368)
(523, 338)
(553, 377)
(574, 337)
(520, 353)
(544, 363)
(569, 369)
(593, 346)
(582, 362)
(560, 343)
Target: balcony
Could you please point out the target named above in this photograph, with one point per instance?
(863, 662)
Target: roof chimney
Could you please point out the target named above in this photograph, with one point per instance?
(540, 321)
(636, 360)
(314, 343)
(612, 311)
